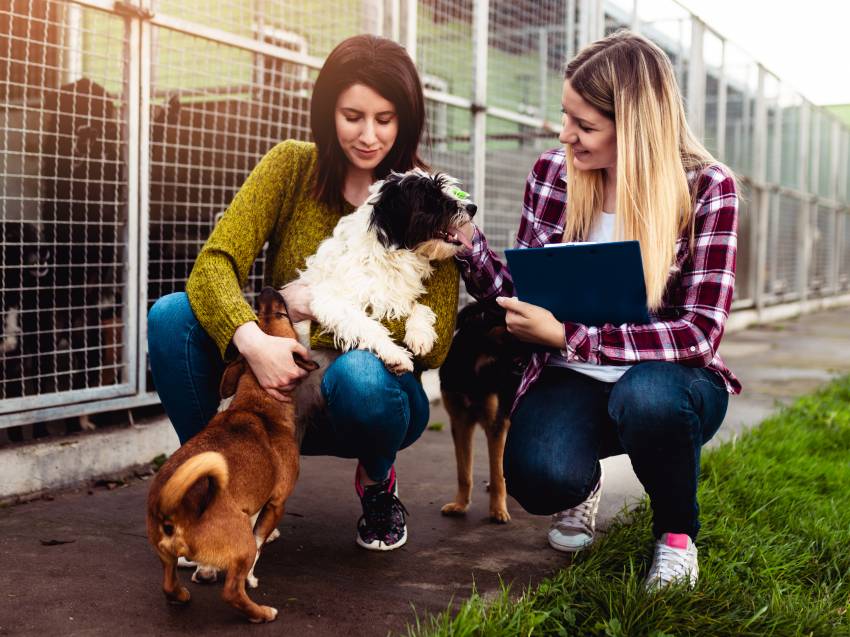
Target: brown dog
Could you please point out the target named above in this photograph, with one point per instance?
(244, 462)
(478, 382)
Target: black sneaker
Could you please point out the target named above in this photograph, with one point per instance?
(382, 526)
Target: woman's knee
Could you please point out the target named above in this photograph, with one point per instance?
(168, 314)
(541, 488)
(358, 386)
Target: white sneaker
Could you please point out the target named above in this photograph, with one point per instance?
(573, 530)
(674, 562)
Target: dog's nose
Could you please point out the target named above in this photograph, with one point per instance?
(470, 209)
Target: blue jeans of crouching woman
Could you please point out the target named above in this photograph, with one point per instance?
(374, 413)
(658, 413)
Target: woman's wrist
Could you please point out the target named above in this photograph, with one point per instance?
(555, 334)
(246, 337)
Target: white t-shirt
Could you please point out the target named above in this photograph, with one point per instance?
(601, 231)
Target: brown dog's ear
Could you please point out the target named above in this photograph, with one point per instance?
(230, 378)
(269, 295)
(303, 363)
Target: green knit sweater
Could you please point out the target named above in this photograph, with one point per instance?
(276, 204)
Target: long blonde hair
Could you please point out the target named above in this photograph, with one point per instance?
(630, 80)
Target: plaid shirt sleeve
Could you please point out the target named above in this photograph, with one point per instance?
(689, 327)
(484, 273)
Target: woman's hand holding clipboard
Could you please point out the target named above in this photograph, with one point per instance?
(532, 323)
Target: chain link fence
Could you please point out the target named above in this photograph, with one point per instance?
(126, 128)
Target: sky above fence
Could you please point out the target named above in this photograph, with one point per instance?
(806, 43)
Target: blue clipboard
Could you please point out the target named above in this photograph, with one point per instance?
(587, 283)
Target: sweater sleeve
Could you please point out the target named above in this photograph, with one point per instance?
(222, 267)
(442, 298)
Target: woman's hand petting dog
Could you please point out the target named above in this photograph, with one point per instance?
(272, 359)
(468, 231)
(532, 323)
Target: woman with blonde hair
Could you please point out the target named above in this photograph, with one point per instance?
(658, 391)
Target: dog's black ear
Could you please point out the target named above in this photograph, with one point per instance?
(483, 315)
(391, 212)
(303, 363)
(230, 378)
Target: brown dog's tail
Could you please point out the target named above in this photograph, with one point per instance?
(208, 463)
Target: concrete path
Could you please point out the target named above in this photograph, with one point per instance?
(79, 563)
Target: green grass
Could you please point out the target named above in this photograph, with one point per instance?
(774, 548)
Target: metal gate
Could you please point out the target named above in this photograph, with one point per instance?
(127, 127)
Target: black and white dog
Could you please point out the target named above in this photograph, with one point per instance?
(375, 265)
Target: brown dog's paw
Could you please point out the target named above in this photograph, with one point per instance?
(179, 596)
(268, 614)
(500, 516)
(273, 536)
(454, 509)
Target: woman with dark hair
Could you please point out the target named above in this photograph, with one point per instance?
(367, 117)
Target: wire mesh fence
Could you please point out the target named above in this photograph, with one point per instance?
(126, 128)
(63, 204)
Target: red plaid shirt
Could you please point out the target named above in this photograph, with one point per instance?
(687, 328)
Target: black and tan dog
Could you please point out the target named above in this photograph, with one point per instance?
(478, 382)
(244, 463)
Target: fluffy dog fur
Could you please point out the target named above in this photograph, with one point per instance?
(478, 382)
(245, 461)
(376, 262)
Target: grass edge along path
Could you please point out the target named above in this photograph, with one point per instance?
(774, 549)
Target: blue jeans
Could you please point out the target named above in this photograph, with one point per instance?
(374, 413)
(658, 413)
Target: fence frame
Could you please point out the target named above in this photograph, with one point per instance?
(586, 19)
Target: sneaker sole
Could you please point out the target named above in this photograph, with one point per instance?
(569, 549)
(380, 546)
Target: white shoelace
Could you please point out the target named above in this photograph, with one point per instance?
(671, 565)
(581, 518)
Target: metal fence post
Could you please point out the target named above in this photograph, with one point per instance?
(834, 194)
(392, 19)
(132, 353)
(142, 152)
(480, 33)
(584, 23)
(763, 197)
(543, 70)
(811, 209)
(408, 27)
(373, 17)
(721, 103)
(696, 80)
(806, 180)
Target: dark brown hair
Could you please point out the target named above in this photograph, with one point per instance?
(385, 67)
